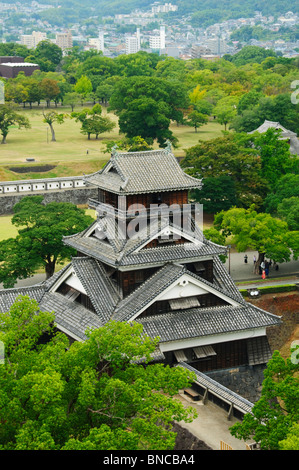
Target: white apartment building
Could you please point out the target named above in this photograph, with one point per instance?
(158, 42)
(133, 43)
(32, 40)
(97, 43)
(158, 8)
(64, 40)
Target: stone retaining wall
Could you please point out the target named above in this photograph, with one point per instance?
(244, 380)
(74, 195)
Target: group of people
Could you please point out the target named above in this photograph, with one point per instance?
(264, 267)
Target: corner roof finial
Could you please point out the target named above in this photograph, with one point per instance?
(168, 146)
(114, 150)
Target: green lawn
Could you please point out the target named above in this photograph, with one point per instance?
(72, 153)
(7, 229)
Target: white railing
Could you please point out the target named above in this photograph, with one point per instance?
(45, 184)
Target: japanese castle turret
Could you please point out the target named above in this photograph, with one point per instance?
(145, 260)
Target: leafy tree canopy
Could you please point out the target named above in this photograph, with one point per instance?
(9, 117)
(232, 156)
(92, 122)
(286, 187)
(39, 241)
(274, 419)
(146, 106)
(288, 210)
(253, 54)
(275, 156)
(94, 395)
(260, 232)
(217, 194)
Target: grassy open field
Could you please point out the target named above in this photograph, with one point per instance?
(72, 153)
(7, 229)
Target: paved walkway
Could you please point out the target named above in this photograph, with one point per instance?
(242, 272)
(211, 426)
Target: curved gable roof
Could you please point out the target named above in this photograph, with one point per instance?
(142, 172)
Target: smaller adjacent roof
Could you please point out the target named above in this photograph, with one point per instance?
(272, 124)
(142, 172)
(9, 296)
(218, 390)
(19, 64)
(285, 134)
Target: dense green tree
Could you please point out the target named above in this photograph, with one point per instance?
(33, 90)
(147, 105)
(94, 395)
(83, 86)
(248, 100)
(49, 89)
(48, 55)
(39, 241)
(134, 144)
(252, 54)
(288, 210)
(13, 49)
(171, 68)
(275, 157)
(138, 64)
(286, 187)
(273, 423)
(276, 108)
(103, 92)
(92, 122)
(16, 92)
(217, 194)
(50, 118)
(8, 118)
(225, 110)
(196, 119)
(233, 156)
(261, 232)
(97, 68)
(291, 442)
(72, 99)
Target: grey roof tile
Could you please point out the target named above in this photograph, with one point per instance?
(141, 296)
(71, 317)
(8, 296)
(142, 172)
(124, 253)
(97, 286)
(194, 323)
(157, 283)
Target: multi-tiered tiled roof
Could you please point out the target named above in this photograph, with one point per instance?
(199, 309)
(142, 172)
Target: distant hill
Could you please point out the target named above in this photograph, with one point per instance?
(203, 13)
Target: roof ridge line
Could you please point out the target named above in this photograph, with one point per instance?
(134, 293)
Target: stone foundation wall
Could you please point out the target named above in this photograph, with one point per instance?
(244, 380)
(74, 195)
